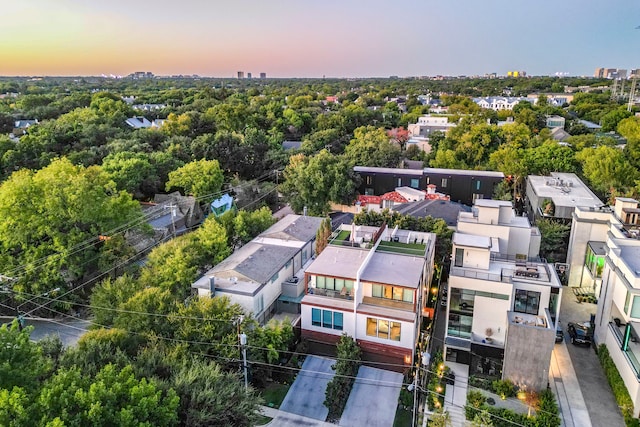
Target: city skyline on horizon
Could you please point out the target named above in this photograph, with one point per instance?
(314, 40)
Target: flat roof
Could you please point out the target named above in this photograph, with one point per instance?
(471, 240)
(565, 189)
(397, 171)
(338, 261)
(394, 269)
(493, 174)
(598, 248)
(490, 203)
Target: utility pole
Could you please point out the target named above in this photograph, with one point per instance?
(243, 343)
(425, 360)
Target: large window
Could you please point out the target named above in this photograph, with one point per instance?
(385, 329)
(333, 283)
(461, 302)
(392, 292)
(327, 319)
(635, 308)
(415, 183)
(594, 263)
(526, 301)
(445, 182)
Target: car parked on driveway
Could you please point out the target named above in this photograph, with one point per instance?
(580, 333)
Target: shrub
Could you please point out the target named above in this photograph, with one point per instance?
(617, 386)
(504, 388)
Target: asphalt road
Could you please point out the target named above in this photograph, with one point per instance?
(69, 331)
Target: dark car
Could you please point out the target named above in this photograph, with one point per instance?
(580, 333)
(559, 334)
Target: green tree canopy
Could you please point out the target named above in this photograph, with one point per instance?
(372, 146)
(198, 178)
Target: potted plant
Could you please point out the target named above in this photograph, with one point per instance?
(489, 332)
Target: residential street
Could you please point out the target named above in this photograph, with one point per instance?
(69, 331)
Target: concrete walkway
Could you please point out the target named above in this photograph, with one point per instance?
(372, 388)
(564, 384)
(455, 398)
(306, 395)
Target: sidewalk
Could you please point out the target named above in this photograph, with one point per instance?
(565, 386)
(286, 419)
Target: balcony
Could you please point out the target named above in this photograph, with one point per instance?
(632, 352)
(344, 294)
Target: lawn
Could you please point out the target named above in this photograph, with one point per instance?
(274, 394)
(343, 235)
(402, 248)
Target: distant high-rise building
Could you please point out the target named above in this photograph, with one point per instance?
(609, 73)
(248, 75)
(599, 73)
(516, 74)
(263, 75)
(241, 74)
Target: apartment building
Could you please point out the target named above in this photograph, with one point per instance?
(503, 301)
(617, 321)
(369, 282)
(265, 275)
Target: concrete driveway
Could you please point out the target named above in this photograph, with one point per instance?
(602, 406)
(306, 394)
(373, 399)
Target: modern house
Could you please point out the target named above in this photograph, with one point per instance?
(463, 186)
(557, 196)
(264, 276)
(428, 124)
(503, 301)
(369, 283)
(617, 320)
(555, 121)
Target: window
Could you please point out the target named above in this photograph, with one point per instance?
(315, 316)
(415, 183)
(635, 308)
(459, 257)
(445, 182)
(327, 319)
(478, 185)
(369, 180)
(382, 328)
(392, 292)
(258, 304)
(527, 301)
(274, 278)
(288, 264)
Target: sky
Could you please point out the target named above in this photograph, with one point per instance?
(316, 38)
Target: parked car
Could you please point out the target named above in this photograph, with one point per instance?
(580, 333)
(559, 334)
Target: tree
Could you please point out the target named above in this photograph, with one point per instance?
(199, 178)
(113, 397)
(554, 239)
(607, 169)
(630, 129)
(322, 235)
(110, 294)
(21, 362)
(211, 397)
(47, 216)
(371, 146)
(346, 367)
(132, 172)
(135, 317)
(315, 181)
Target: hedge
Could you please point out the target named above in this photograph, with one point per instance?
(617, 386)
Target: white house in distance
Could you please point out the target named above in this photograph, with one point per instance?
(369, 283)
(501, 102)
(502, 299)
(617, 322)
(264, 276)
